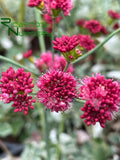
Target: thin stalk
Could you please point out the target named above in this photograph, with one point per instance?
(66, 22)
(6, 150)
(52, 37)
(40, 29)
(21, 20)
(60, 130)
(66, 67)
(97, 47)
(17, 64)
(42, 118)
(47, 134)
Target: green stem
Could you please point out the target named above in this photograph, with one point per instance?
(42, 118)
(60, 130)
(21, 20)
(66, 67)
(66, 22)
(47, 134)
(97, 47)
(40, 29)
(17, 64)
(53, 36)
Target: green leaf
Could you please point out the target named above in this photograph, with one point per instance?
(17, 125)
(5, 129)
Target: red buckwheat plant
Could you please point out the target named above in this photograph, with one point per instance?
(114, 15)
(55, 6)
(102, 99)
(34, 3)
(56, 90)
(15, 87)
(86, 42)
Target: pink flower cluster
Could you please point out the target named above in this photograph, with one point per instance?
(95, 27)
(49, 5)
(64, 5)
(66, 44)
(57, 90)
(15, 87)
(102, 99)
(80, 22)
(86, 42)
(46, 62)
(116, 26)
(34, 3)
(27, 54)
(114, 15)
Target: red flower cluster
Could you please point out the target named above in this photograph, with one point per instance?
(46, 62)
(49, 5)
(34, 3)
(15, 87)
(57, 90)
(102, 99)
(64, 5)
(80, 22)
(65, 43)
(27, 54)
(114, 15)
(95, 27)
(86, 42)
(116, 26)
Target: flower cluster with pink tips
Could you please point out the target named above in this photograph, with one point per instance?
(53, 5)
(15, 87)
(114, 15)
(56, 90)
(65, 44)
(92, 25)
(95, 27)
(102, 99)
(34, 3)
(46, 62)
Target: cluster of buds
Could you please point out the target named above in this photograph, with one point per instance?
(102, 99)
(73, 47)
(15, 87)
(52, 7)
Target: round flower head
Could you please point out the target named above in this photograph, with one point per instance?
(80, 22)
(55, 6)
(57, 90)
(114, 15)
(67, 46)
(15, 87)
(86, 42)
(102, 99)
(104, 30)
(46, 62)
(93, 25)
(116, 26)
